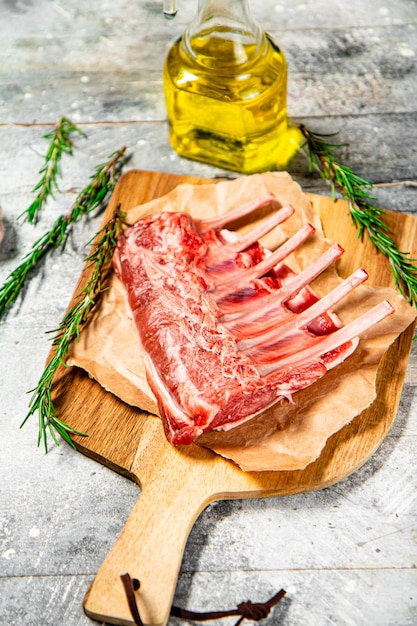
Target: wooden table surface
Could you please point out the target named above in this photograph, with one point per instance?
(347, 555)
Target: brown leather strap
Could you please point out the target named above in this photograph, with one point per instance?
(246, 610)
(130, 585)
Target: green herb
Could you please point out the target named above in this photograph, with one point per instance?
(69, 330)
(91, 198)
(365, 215)
(60, 142)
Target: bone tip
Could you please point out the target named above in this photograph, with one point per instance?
(388, 307)
(361, 274)
(268, 198)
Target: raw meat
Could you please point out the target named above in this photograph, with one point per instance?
(227, 328)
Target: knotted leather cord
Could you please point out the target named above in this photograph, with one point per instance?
(247, 610)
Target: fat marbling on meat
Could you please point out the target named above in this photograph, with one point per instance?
(226, 327)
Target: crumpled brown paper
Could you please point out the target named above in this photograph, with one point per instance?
(288, 436)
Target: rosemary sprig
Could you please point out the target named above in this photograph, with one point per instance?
(69, 330)
(91, 198)
(60, 142)
(365, 215)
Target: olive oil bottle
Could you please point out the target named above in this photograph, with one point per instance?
(225, 85)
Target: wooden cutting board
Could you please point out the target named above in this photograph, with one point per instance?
(177, 483)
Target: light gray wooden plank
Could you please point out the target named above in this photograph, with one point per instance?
(57, 17)
(333, 597)
(397, 198)
(47, 521)
(337, 72)
(382, 148)
(45, 601)
(345, 72)
(85, 95)
(106, 64)
(346, 555)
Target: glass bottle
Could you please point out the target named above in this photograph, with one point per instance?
(225, 84)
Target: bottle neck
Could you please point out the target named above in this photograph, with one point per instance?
(224, 29)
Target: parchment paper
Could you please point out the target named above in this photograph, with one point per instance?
(288, 436)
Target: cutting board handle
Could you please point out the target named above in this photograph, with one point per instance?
(150, 548)
(151, 545)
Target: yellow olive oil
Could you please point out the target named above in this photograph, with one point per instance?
(226, 102)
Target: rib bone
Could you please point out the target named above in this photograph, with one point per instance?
(220, 221)
(226, 327)
(222, 258)
(331, 342)
(245, 276)
(263, 311)
(290, 322)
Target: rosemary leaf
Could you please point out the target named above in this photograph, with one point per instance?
(68, 331)
(60, 142)
(92, 197)
(365, 215)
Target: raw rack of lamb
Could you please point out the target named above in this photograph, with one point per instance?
(227, 328)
